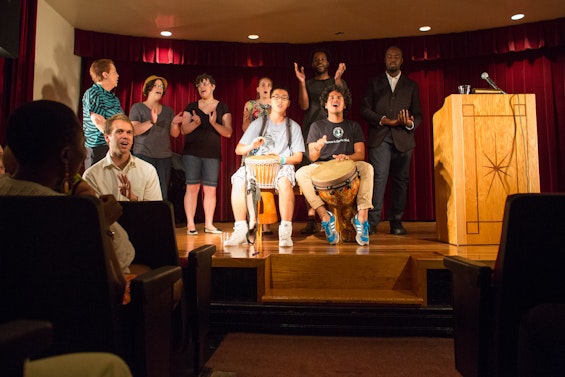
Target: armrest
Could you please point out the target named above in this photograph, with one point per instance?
(470, 270)
(472, 311)
(154, 282)
(21, 339)
(153, 300)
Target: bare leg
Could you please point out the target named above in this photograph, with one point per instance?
(322, 213)
(238, 204)
(190, 201)
(363, 215)
(286, 199)
(209, 204)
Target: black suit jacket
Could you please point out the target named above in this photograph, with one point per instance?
(380, 101)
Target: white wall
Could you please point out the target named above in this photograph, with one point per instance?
(57, 69)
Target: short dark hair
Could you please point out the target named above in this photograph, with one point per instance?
(337, 88)
(37, 131)
(279, 87)
(321, 49)
(203, 77)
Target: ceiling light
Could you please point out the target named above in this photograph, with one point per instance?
(425, 28)
(517, 17)
(253, 36)
(166, 33)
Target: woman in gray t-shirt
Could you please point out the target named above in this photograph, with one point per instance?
(154, 124)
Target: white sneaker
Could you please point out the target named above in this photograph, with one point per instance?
(285, 232)
(239, 236)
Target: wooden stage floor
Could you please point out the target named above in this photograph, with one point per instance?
(421, 237)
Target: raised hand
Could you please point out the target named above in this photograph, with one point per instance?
(340, 71)
(300, 75)
(196, 118)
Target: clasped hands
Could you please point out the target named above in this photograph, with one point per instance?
(404, 119)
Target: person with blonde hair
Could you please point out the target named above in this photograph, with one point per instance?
(120, 173)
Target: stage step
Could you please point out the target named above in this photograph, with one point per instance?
(379, 279)
(343, 296)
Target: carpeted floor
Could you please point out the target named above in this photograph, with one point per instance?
(261, 355)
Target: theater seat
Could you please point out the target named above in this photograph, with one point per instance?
(54, 266)
(151, 228)
(490, 304)
(19, 341)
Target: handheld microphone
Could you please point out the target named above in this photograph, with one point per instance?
(486, 77)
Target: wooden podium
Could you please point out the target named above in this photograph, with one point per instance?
(485, 148)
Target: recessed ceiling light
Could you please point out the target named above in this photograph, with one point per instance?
(425, 28)
(517, 17)
(253, 36)
(166, 33)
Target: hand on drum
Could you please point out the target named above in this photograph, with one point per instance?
(320, 143)
(340, 157)
(257, 142)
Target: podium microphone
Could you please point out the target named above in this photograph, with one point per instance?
(486, 77)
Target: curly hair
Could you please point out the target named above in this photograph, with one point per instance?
(336, 88)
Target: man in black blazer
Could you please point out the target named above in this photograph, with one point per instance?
(391, 107)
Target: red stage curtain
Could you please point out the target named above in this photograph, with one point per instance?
(528, 58)
(16, 75)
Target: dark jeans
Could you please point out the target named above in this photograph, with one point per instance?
(95, 154)
(163, 167)
(387, 160)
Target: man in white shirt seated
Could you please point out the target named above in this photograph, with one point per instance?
(120, 173)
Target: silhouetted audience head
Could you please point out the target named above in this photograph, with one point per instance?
(46, 137)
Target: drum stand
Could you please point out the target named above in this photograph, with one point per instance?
(267, 210)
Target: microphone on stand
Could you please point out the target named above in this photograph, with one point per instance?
(486, 77)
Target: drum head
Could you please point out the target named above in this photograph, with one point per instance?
(333, 173)
(263, 159)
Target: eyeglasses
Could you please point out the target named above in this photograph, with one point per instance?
(159, 86)
(277, 97)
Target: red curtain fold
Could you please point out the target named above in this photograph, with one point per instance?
(502, 40)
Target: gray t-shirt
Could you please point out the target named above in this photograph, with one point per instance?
(276, 138)
(156, 142)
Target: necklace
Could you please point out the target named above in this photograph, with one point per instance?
(210, 102)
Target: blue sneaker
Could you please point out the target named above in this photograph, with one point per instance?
(362, 230)
(329, 227)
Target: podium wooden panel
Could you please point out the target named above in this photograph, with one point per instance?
(485, 148)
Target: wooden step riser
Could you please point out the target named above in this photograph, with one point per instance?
(382, 272)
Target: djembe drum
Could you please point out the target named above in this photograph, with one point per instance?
(265, 170)
(337, 184)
